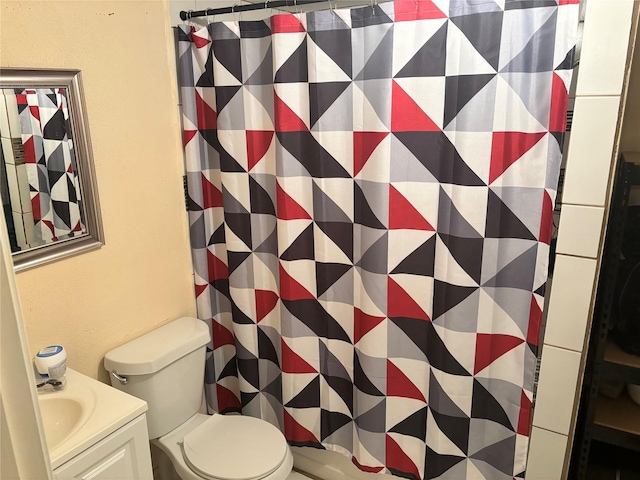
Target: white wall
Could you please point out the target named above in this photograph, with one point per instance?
(23, 453)
(142, 277)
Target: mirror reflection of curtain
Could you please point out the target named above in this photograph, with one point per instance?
(51, 165)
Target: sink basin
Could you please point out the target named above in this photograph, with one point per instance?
(61, 416)
(82, 414)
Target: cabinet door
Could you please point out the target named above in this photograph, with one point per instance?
(123, 455)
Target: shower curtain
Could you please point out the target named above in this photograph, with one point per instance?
(370, 195)
(50, 163)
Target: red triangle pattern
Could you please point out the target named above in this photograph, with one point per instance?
(406, 115)
(507, 148)
(363, 324)
(217, 269)
(397, 459)
(365, 468)
(296, 432)
(286, 24)
(364, 143)
(286, 120)
(211, 196)
(35, 207)
(78, 227)
(50, 226)
(200, 42)
(559, 102)
(187, 136)
(29, 151)
(400, 303)
(535, 319)
(200, 289)
(490, 347)
(207, 117)
(288, 208)
(294, 363)
(266, 300)
(403, 215)
(35, 112)
(398, 385)
(290, 289)
(524, 418)
(546, 222)
(227, 401)
(258, 142)
(406, 10)
(221, 335)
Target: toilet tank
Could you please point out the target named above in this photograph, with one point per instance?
(164, 367)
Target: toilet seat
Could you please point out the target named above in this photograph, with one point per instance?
(234, 447)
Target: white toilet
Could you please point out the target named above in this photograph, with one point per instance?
(166, 369)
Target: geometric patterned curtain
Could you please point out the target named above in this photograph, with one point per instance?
(50, 163)
(370, 199)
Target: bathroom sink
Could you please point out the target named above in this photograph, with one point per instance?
(61, 416)
(82, 414)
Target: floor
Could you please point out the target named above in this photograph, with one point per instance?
(298, 476)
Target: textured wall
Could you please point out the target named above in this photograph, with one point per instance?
(141, 278)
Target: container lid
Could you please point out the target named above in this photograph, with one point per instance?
(234, 447)
(158, 348)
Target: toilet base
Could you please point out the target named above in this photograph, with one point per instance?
(162, 467)
(172, 466)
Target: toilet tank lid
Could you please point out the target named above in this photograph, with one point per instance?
(157, 349)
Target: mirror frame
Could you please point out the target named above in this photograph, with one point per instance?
(71, 80)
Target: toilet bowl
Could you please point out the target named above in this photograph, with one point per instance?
(166, 369)
(234, 458)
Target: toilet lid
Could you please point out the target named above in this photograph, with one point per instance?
(234, 447)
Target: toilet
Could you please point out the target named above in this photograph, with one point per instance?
(166, 369)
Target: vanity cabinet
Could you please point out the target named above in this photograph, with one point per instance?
(122, 455)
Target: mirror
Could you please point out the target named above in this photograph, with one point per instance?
(47, 180)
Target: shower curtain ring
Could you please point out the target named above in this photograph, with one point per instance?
(233, 10)
(190, 20)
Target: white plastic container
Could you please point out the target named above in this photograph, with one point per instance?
(51, 362)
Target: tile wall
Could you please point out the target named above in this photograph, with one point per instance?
(598, 91)
(16, 172)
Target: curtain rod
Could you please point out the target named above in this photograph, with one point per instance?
(186, 15)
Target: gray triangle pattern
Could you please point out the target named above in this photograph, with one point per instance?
(323, 341)
(407, 167)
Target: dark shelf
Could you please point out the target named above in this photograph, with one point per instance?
(622, 414)
(620, 365)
